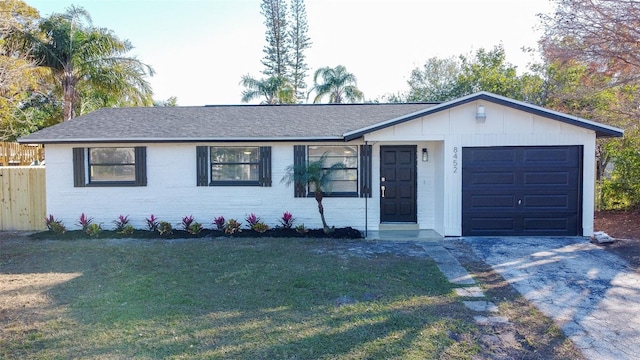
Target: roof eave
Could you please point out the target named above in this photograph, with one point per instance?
(176, 140)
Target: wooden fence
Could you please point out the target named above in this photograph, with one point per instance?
(14, 154)
(22, 198)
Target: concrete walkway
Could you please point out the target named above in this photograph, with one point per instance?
(589, 292)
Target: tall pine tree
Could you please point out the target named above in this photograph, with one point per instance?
(276, 51)
(298, 41)
(284, 59)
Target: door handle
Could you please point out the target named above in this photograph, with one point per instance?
(382, 189)
(519, 201)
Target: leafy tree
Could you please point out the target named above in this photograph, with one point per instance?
(571, 87)
(451, 78)
(39, 110)
(88, 63)
(276, 51)
(18, 75)
(338, 83)
(316, 175)
(603, 33)
(602, 37)
(436, 81)
(591, 47)
(621, 190)
(299, 41)
(489, 71)
(170, 102)
(274, 90)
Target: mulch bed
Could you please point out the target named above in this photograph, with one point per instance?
(337, 233)
(624, 226)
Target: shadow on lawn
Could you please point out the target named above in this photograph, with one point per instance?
(245, 298)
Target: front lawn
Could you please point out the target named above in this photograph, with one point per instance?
(225, 298)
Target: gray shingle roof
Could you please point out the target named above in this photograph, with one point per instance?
(221, 123)
(267, 123)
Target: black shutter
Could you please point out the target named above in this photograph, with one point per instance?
(141, 165)
(265, 165)
(202, 165)
(366, 152)
(78, 167)
(299, 159)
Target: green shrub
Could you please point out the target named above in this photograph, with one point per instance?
(232, 226)
(127, 230)
(55, 225)
(165, 228)
(621, 189)
(260, 227)
(94, 230)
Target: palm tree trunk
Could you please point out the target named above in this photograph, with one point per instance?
(325, 227)
(69, 90)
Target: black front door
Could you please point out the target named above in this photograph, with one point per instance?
(398, 184)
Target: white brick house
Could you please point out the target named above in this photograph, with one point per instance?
(479, 165)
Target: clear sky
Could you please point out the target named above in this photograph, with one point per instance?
(201, 48)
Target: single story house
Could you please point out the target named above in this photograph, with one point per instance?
(479, 165)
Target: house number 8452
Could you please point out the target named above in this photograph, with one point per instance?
(455, 159)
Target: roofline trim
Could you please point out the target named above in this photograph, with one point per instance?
(177, 140)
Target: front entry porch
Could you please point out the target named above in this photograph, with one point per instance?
(404, 235)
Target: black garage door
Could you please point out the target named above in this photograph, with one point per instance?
(522, 190)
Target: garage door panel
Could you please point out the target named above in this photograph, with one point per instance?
(523, 191)
(492, 178)
(493, 156)
(551, 157)
(552, 202)
(488, 223)
(547, 178)
(557, 201)
(547, 222)
(543, 224)
(490, 201)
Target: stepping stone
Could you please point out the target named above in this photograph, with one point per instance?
(474, 291)
(491, 340)
(481, 306)
(449, 265)
(489, 320)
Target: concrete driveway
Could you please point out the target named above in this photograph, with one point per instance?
(592, 294)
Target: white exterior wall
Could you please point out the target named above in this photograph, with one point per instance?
(171, 192)
(450, 130)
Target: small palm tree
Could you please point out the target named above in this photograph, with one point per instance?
(275, 90)
(314, 174)
(338, 83)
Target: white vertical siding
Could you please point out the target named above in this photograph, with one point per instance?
(457, 128)
(439, 187)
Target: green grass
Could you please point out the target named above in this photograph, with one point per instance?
(232, 298)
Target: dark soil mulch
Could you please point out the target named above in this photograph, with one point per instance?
(338, 233)
(624, 226)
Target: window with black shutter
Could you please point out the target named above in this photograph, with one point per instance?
(110, 166)
(233, 165)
